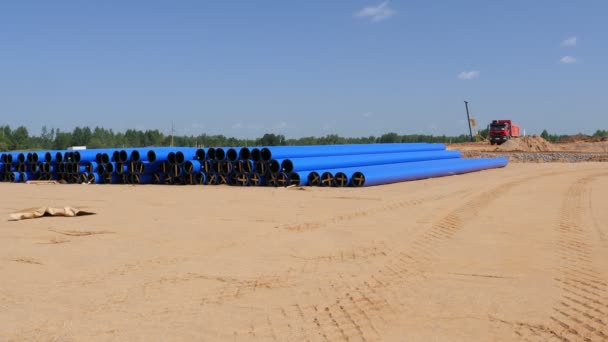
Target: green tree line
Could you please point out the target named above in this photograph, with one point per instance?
(600, 133)
(99, 137)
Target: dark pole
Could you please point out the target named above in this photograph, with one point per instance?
(466, 104)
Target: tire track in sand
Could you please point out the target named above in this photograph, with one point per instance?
(581, 311)
(357, 311)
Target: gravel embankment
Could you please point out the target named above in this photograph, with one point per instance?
(540, 157)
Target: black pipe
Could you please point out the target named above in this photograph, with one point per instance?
(261, 168)
(232, 155)
(211, 153)
(200, 154)
(340, 180)
(256, 155)
(327, 179)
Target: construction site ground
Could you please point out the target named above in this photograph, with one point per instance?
(510, 254)
(535, 149)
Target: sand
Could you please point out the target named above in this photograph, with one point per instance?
(519, 253)
(534, 144)
(526, 144)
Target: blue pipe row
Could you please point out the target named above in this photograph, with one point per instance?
(320, 163)
(283, 152)
(385, 174)
(329, 165)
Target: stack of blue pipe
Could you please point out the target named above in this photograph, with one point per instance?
(319, 165)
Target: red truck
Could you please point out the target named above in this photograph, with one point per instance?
(502, 130)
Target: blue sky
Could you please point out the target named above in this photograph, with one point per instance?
(355, 68)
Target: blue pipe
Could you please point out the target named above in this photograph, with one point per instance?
(91, 166)
(32, 167)
(144, 153)
(110, 167)
(200, 154)
(94, 178)
(245, 166)
(211, 153)
(105, 158)
(89, 154)
(50, 156)
(261, 167)
(200, 178)
(11, 157)
(136, 156)
(171, 154)
(299, 178)
(226, 166)
(83, 177)
(245, 152)
(220, 153)
(13, 177)
(391, 173)
(149, 167)
(159, 178)
(158, 153)
(78, 168)
(282, 152)
(36, 156)
(123, 155)
(256, 179)
(112, 178)
(175, 170)
(232, 154)
(185, 153)
(320, 163)
(241, 179)
(210, 166)
(256, 154)
(141, 178)
(26, 176)
(120, 168)
(212, 178)
(192, 166)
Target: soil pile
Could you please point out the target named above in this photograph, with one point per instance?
(526, 144)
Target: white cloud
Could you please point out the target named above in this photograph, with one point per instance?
(569, 42)
(568, 60)
(468, 75)
(376, 13)
(367, 115)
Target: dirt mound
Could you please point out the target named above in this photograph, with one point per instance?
(526, 144)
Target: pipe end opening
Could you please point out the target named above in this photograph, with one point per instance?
(358, 179)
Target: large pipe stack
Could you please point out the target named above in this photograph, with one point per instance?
(353, 165)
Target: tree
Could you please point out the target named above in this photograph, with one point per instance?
(600, 133)
(62, 140)
(545, 135)
(45, 137)
(271, 139)
(20, 138)
(390, 138)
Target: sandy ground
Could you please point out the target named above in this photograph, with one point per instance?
(519, 253)
(579, 146)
